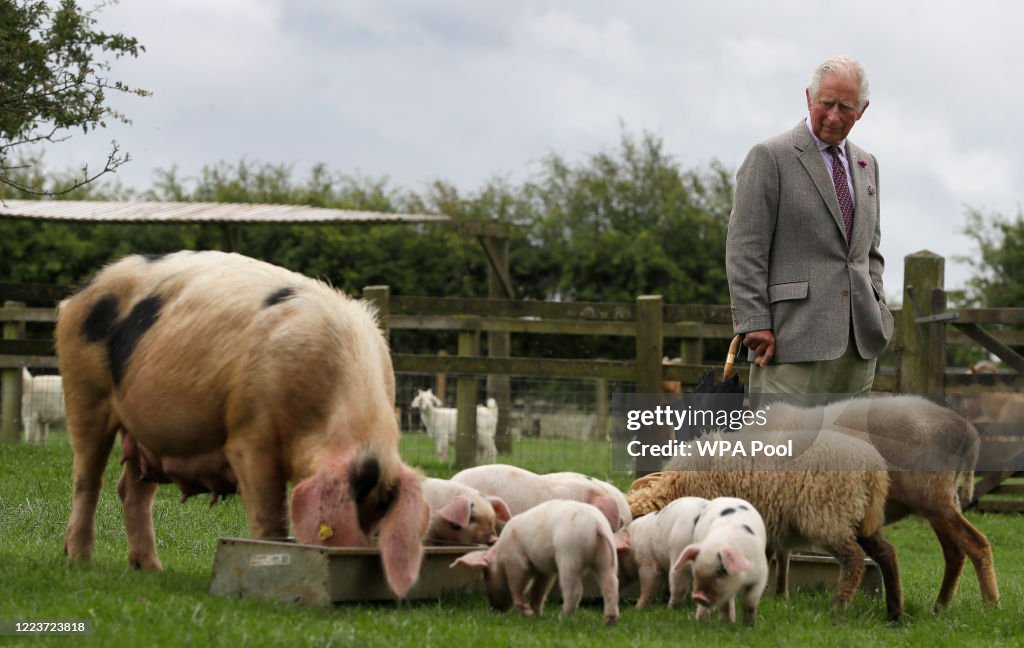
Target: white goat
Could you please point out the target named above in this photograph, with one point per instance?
(42, 403)
(440, 423)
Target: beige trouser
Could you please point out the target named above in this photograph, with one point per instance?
(848, 374)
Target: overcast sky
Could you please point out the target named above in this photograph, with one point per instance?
(467, 90)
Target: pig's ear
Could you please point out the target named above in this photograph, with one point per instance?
(322, 509)
(689, 554)
(479, 559)
(457, 511)
(501, 510)
(734, 561)
(402, 531)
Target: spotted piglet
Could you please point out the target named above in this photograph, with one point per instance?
(652, 543)
(728, 557)
(462, 515)
(558, 537)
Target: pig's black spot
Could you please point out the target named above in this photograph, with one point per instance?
(744, 507)
(749, 530)
(728, 511)
(100, 320)
(364, 478)
(278, 296)
(128, 332)
(153, 258)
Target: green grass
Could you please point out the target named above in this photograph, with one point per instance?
(172, 608)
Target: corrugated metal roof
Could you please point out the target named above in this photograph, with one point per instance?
(101, 211)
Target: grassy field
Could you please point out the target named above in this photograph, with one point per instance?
(172, 608)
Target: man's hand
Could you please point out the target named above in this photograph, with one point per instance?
(762, 343)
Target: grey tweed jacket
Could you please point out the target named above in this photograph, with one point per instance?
(789, 265)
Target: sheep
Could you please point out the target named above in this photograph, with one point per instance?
(195, 354)
(441, 421)
(42, 404)
(991, 407)
(926, 447)
(831, 495)
(982, 367)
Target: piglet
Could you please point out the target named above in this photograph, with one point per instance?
(728, 557)
(462, 515)
(625, 516)
(522, 489)
(652, 543)
(558, 537)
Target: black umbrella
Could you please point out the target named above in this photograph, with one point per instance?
(722, 396)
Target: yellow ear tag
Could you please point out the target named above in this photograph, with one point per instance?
(325, 531)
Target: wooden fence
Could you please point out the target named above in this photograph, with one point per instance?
(916, 359)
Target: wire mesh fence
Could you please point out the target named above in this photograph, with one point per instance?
(553, 424)
(41, 404)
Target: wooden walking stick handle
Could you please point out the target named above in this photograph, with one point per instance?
(730, 359)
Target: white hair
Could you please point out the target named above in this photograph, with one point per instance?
(846, 67)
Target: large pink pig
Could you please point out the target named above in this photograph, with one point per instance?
(203, 354)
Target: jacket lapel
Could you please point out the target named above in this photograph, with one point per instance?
(862, 184)
(811, 159)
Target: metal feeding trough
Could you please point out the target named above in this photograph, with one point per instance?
(314, 575)
(283, 570)
(811, 570)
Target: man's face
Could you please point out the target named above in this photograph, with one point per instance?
(834, 109)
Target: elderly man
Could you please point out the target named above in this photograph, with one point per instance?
(805, 273)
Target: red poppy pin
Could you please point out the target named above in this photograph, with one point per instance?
(863, 163)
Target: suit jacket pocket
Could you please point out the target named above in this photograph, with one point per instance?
(783, 291)
(878, 293)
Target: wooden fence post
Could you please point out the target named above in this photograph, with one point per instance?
(441, 379)
(602, 430)
(499, 343)
(466, 389)
(649, 352)
(10, 427)
(691, 351)
(923, 272)
(937, 346)
(648, 344)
